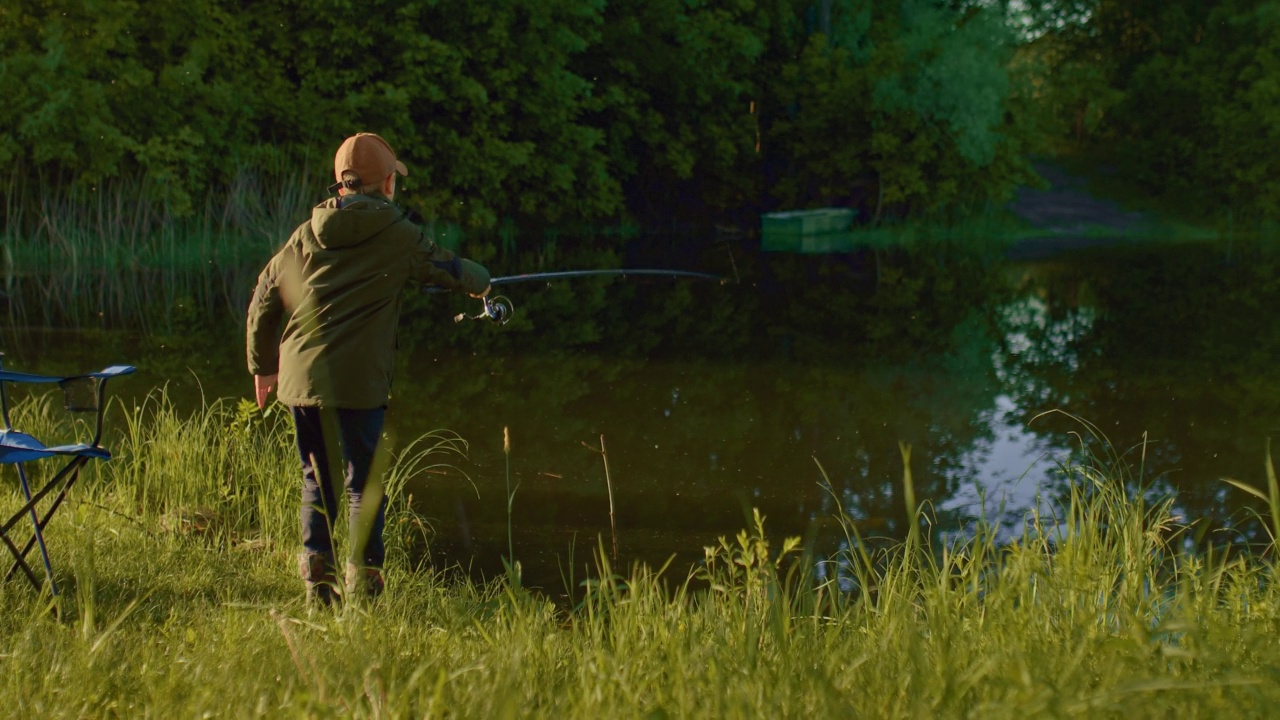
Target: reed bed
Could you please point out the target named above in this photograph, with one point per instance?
(118, 256)
(180, 600)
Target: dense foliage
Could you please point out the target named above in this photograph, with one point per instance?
(541, 111)
(547, 112)
(1181, 96)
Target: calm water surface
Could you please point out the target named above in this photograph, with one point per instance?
(791, 392)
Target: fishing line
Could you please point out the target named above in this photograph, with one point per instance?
(499, 309)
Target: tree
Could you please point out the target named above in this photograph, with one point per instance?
(100, 88)
(677, 89)
(903, 109)
(479, 97)
(1180, 95)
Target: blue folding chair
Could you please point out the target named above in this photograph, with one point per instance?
(81, 393)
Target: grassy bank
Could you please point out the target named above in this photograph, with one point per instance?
(180, 600)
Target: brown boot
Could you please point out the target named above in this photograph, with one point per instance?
(363, 583)
(320, 576)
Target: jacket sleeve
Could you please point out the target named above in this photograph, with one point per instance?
(434, 265)
(262, 327)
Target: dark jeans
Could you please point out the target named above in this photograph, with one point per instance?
(355, 434)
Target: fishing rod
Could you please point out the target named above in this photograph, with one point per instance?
(499, 309)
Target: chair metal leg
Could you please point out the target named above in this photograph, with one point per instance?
(21, 560)
(66, 477)
(39, 534)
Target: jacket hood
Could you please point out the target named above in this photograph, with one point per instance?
(359, 218)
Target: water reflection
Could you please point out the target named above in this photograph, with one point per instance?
(1003, 477)
(1171, 352)
(155, 301)
(792, 392)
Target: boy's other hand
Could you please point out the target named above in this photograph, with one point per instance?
(482, 293)
(262, 387)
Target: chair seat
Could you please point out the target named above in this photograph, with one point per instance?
(19, 447)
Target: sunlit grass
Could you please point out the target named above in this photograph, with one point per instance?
(180, 600)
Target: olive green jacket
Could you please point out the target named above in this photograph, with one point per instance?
(336, 287)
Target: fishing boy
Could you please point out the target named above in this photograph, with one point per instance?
(335, 288)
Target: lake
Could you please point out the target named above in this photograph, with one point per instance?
(792, 390)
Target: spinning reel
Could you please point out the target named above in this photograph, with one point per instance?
(499, 309)
(496, 310)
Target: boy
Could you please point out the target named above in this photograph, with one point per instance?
(335, 286)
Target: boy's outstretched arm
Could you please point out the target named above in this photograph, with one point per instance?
(434, 265)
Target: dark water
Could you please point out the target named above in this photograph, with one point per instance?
(793, 391)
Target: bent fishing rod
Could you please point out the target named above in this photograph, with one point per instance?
(499, 309)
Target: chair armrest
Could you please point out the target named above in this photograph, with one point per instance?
(113, 371)
(11, 376)
(110, 372)
(102, 376)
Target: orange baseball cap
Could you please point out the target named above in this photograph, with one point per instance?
(369, 157)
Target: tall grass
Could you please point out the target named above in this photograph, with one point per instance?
(120, 226)
(117, 255)
(1095, 611)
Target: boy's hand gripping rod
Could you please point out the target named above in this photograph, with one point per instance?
(499, 309)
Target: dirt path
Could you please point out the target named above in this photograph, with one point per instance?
(1069, 215)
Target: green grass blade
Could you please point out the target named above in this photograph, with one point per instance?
(1273, 491)
(909, 494)
(1247, 488)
